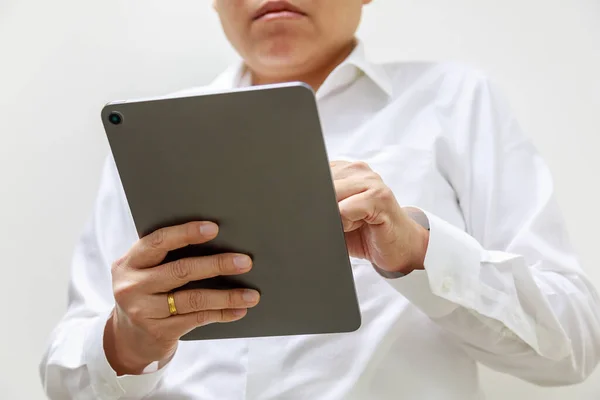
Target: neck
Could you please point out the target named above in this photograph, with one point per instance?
(314, 77)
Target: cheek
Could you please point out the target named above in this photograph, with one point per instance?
(345, 13)
(232, 12)
(221, 5)
(234, 18)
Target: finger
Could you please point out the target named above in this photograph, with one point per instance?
(350, 226)
(347, 187)
(339, 169)
(361, 207)
(345, 169)
(179, 325)
(177, 273)
(336, 164)
(195, 300)
(153, 248)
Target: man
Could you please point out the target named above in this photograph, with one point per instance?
(479, 270)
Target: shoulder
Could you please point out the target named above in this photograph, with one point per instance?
(448, 80)
(458, 89)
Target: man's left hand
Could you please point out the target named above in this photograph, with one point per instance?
(376, 227)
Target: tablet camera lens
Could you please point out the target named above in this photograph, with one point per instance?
(115, 118)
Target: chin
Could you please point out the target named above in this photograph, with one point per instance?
(286, 54)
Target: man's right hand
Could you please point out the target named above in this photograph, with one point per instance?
(141, 329)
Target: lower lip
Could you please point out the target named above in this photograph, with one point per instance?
(280, 15)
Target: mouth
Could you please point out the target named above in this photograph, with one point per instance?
(272, 10)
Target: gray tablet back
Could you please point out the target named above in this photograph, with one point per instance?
(253, 161)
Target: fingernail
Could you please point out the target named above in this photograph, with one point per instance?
(238, 312)
(208, 229)
(250, 296)
(242, 262)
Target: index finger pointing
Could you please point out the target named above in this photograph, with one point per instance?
(150, 250)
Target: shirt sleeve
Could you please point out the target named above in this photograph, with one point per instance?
(74, 365)
(510, 289)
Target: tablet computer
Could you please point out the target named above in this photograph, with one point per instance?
(253, 161)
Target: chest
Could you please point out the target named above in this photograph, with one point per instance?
(405, 145)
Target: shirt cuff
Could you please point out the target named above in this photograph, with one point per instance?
(452, 263)
(104, 380)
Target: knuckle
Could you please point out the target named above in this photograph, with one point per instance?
(119, 264)
(374, 176)
(233, 299)
(385, 193)
(136, 314)
(157, 238)
(119, 275)
(180, 269)
(360, 165)
(123, 290)
(382, 192)
(197, 300)
(202, 318)
(221, 263)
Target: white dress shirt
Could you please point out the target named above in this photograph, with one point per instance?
(501, 286)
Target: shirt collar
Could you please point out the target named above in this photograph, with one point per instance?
(354, 66)
(359, 63)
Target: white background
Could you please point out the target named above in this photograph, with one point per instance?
(61, 60)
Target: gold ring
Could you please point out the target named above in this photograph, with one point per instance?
(171, 301)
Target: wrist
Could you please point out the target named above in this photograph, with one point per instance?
(419, 241)
(122, 358)
(420, 248)
(421, 237)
